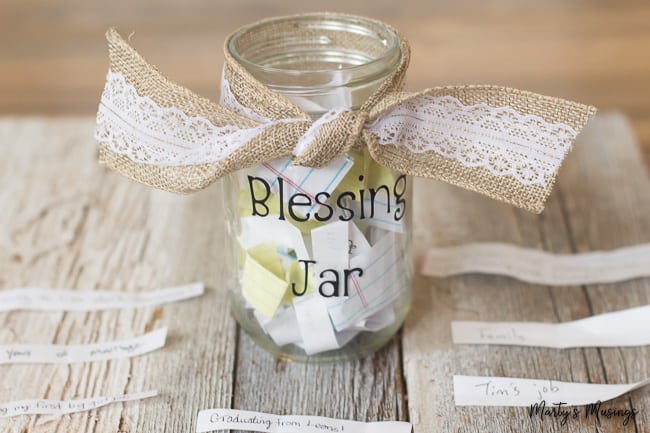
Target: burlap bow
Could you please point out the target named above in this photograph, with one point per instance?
(468, 145)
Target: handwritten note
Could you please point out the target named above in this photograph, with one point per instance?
(509, 391)
(618, 329)
(73, 300)
(232, 419)
(67, 354)
(62, 407)
(538, 266)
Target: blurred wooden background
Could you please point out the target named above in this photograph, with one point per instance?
(53, 55)
(53, 62)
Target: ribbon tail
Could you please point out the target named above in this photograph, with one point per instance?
(163, 135)
(505, 143)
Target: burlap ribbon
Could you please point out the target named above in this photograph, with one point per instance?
(125, 150)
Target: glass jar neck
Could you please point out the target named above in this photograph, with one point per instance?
(319, 61)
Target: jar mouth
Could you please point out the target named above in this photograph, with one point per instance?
(297, 54)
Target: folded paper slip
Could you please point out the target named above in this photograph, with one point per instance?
(504, 143)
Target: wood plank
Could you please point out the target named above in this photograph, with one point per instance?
(66, 222)
(582, 214)
(371, 389)
(608, 208)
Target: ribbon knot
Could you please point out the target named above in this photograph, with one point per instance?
(505, 143)
(330, 136)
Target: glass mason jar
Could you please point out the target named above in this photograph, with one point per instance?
(319, 260)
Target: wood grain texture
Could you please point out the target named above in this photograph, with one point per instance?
(601, 202)
(65, 222)
(367, 390)
(68, 223)
(53, 54)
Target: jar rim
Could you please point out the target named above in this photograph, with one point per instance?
(366, 70)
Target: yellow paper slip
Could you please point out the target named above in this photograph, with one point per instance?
(261, 286)
(365, 173)
(267, 255)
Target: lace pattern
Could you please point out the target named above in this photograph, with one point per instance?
(135, 126)
(501, 140)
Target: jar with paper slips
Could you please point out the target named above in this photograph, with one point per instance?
(316, 143)
(321, 257)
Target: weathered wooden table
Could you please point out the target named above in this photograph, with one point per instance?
(66, 222)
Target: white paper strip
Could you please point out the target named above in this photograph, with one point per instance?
(74, 300)
(509, 391)
(330, 243)
(67, 354)
(629, 327)
(316, 329)
(357, 243)
(383, 280)
(377, 321)
(225, 419)
(283, 328)
(62, 407)
(538, 266)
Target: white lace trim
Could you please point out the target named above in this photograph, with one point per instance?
(501, 140)
(135, 126)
